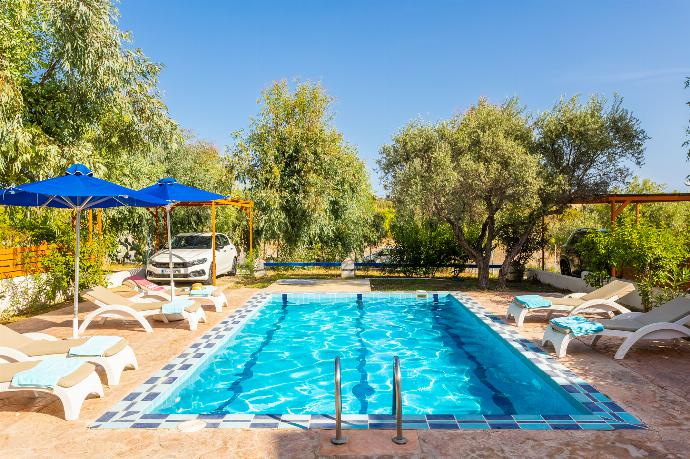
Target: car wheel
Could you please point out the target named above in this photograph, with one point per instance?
(565, 268)
(233, 270)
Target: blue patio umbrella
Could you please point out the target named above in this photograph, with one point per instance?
(169, 190)
(78, 189)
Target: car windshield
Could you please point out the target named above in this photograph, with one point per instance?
(191, 242)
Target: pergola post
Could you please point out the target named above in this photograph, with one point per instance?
(99, 224)
(637, 213)
(251, 232)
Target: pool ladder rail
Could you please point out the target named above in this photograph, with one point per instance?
(399, 439)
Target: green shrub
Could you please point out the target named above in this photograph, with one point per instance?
(58, 282)
(657, 257)
(422, 247)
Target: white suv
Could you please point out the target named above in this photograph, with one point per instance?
(192, 258)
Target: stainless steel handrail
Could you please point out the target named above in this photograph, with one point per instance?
(397, 403)
(338, 439)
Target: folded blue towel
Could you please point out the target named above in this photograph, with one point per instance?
(532, 301)
(577, 325)
(205, 291)
(176, 306)
(46, 373)
(94, 347)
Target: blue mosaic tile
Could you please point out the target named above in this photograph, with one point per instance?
(534, 426)
(572, 426)
(382, 425)
(503, 425)
(595, 426)
(474, 426)
(443, 425)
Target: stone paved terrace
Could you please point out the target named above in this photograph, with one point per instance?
(653, 383)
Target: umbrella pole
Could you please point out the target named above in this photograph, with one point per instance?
(75, 319)
(170, 260)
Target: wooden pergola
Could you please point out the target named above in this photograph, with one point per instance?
(246, 205)
(618, 203)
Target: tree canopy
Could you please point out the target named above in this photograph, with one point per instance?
(494, 167)
(312, 192)
(73, 89)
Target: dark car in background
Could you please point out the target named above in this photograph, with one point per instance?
(571, 262)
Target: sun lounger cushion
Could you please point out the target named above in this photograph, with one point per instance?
(205, 291)
(176, 307)
(8, 370)
(629, 325)
(47, 373)
(95, 346)
(672, 311)
(37, 347)
(565, 301)
(144, 283)
(532, 301)
(614, 288)
(578, 326)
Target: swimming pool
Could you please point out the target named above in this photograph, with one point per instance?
(270, 364)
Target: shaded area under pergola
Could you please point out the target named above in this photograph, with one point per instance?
(246, 205)
(618, 203)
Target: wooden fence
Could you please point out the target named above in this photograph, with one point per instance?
(22, 261)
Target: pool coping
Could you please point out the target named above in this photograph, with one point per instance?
(133, 410)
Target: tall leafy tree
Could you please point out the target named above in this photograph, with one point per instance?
(73, 89)
(312, 192)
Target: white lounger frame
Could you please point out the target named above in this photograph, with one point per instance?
(217, 301)
(655, 331)
(597, 305)
(113, 365)
(72, 398)
(118, 311)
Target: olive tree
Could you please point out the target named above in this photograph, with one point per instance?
(492, 167)
(470, 172)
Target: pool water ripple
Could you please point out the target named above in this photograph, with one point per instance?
(281, 361)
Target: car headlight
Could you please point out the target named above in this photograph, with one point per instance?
(200, 261)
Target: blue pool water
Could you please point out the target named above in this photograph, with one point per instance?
(281, 361)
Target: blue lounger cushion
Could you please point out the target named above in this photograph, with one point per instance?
(578, 326)
(96, 346)
(47, 373)
(532, 301)
(205, 291)
(176, 307)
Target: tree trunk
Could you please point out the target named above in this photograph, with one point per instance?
(511, 253)
(483, 272)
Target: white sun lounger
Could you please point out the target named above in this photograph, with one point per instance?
(600, 300)
(72, 389)
(18, 347)
(113, 306)
(661, 323)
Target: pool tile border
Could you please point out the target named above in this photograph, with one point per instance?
(133, 411)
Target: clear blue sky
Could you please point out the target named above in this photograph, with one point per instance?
(387, 62)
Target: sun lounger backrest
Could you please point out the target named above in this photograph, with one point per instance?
(105, 296)
(672, 311)
(12, 339)
(614, 288)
